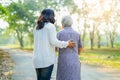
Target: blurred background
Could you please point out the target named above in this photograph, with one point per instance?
(97, 21)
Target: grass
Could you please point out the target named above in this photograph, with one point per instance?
(106, 57)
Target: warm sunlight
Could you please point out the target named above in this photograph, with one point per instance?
(59, 15)
(98, 9)
(79, 3)
(3, 24)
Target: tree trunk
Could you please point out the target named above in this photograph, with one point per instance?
(84, 34)
(92, 39)
(20, 38)
(21, 42)
(99, 42)
(107, 40)
(92, 44)
(112, 40)
(84, 31)
(99, 39)
(112, 44)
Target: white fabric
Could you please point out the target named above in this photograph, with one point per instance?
(44, 46)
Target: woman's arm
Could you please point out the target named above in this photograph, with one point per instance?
(54, 41)
(79, 50)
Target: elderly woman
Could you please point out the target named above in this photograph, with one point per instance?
(68, 61)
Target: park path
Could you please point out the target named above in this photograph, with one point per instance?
(23, 69)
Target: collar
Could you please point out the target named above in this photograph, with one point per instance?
(67, 27)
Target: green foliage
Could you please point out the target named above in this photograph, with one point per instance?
(31, 5)
(117, 44)
(21, 19)
(3, 12)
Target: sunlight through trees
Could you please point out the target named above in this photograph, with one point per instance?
(97, 21)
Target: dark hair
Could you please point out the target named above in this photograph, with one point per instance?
(47, 15)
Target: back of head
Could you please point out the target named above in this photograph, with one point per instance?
(67, 21)
(47, 15)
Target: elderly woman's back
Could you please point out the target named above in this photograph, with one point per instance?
(68, 61)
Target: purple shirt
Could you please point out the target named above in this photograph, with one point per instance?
(69, 34)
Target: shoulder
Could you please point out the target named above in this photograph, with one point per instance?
(50, 26)
(61, 32)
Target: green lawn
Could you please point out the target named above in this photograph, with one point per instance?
(106, 57)
(101, 57)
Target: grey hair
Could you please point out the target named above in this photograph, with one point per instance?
(67, 21)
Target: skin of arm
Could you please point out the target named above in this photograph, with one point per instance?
(56, 49)
(79, 50)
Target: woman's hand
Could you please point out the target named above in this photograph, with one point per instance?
(71, 44)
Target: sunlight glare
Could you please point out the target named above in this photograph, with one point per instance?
(91, 1)
(3, 24)
(78, 3)
(59, 15)
(107, 5)
(75, 23)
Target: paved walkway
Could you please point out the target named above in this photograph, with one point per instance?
(23, 69)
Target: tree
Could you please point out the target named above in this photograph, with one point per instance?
(92, 34)
(98, 31)
(114, 21)
(19, 20)
(3, 12)
(111, 17)
(14, 21)
(32, 8)
(85, 13)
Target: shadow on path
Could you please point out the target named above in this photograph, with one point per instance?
(23, 69)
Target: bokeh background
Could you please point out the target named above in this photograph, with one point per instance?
(97, 21)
